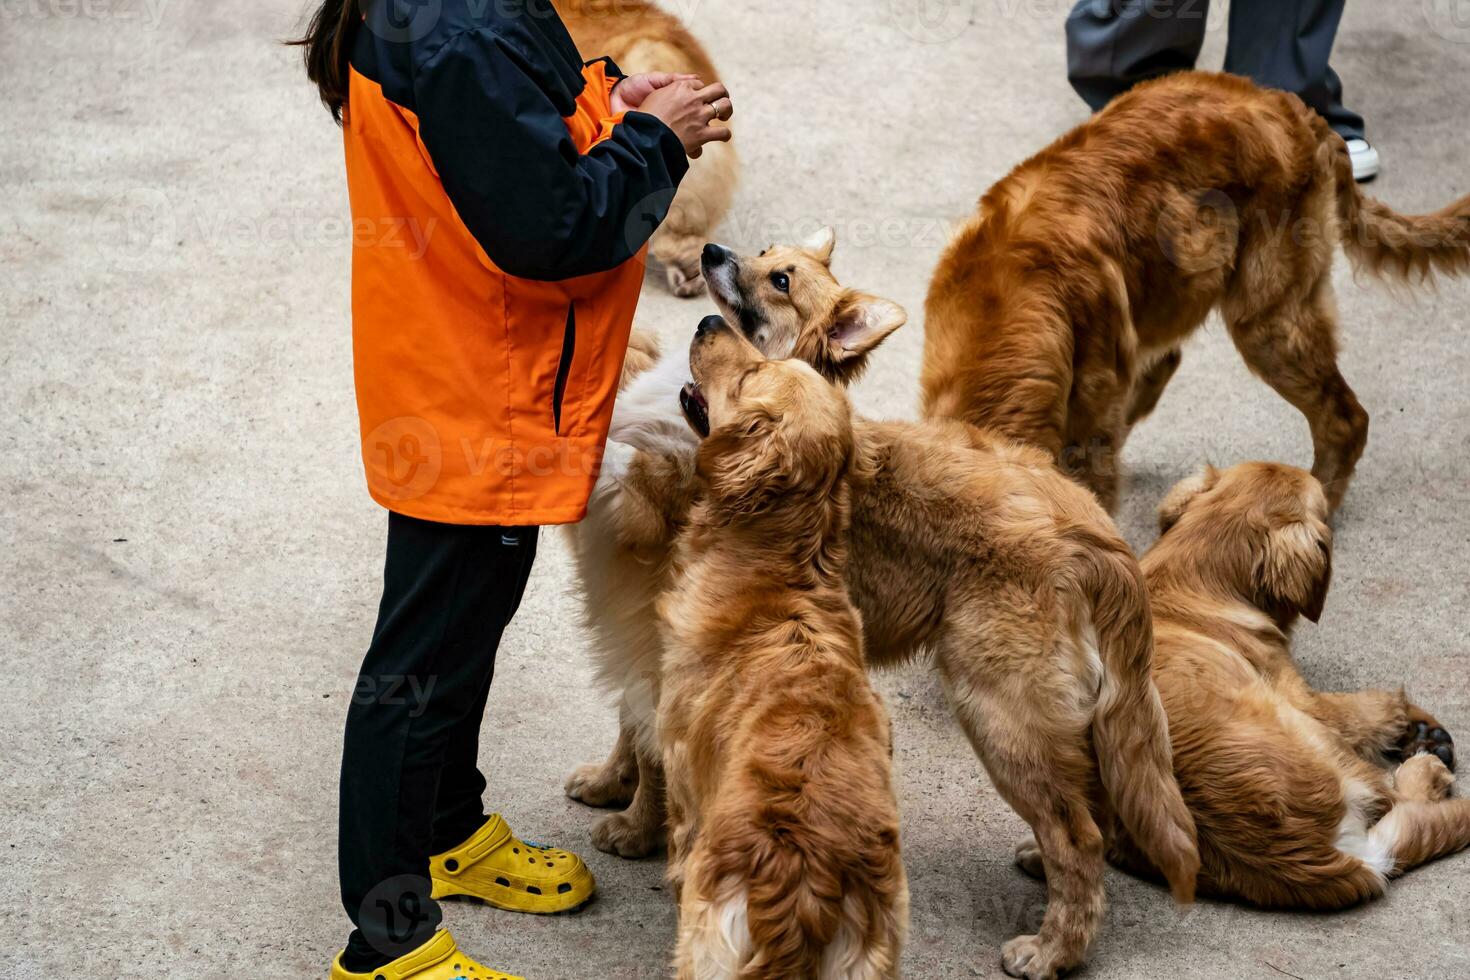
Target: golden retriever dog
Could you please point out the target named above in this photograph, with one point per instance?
(642, 38)
(623, 547)
(783, 844)
(1289, 787)
(966, 547)
(1056, 314)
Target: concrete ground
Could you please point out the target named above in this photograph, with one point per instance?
(194, 562)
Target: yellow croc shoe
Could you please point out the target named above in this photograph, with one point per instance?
(495, 867)
(437, 959)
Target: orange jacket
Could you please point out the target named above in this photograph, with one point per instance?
(500, 211)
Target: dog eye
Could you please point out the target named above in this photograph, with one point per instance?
(781, 281)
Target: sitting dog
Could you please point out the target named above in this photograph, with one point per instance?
(1288, 786)
(642, 38)
(783, 826)
(1055, 315)
(965, 546)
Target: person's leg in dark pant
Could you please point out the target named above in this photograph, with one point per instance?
(412, 729)
(1114, 44)
(1286, 44)
(460, 810)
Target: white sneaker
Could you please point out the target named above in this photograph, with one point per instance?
(1365, 159)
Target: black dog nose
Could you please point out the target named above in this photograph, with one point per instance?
(715, 255)
(709, 324)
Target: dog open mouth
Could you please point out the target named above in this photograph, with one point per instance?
(696, 408)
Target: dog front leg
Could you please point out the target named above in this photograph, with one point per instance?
(614, 782)
(639, 830)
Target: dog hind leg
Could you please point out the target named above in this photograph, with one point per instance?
(1292, 346)
(1426, 825)
(1038, 755)
(1380, 726)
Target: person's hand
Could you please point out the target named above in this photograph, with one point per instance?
(692, 111)
(633, 90)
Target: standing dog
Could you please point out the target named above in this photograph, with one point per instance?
(1056, 315)
(966, 546)
(642, 38)
(1287, 785)
(783, 827)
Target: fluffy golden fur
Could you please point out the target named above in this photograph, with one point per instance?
(1290, 788)
(783, 840)
(624, 545)
(642, 38)
(967, 547)
(1056, 314)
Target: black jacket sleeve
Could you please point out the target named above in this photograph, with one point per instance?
(538, 208)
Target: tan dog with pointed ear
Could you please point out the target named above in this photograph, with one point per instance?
(783, 839)
(1289, 787)
(786, 300)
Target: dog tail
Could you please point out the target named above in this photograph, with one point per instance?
(806, 883)
(1130, 730)
(815, 911)
(1414, 833)
(1379, 240)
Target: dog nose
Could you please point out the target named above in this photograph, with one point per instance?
(709, 324)
(715, 255)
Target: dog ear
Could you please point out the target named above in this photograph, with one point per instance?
(1174, 504)
(739, 459)
(861, 323)
(821, 243)
(1294, 568)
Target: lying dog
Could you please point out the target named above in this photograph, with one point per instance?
(965, 546)
(642, 38)
(1287, 785)
(783, 838)
(1056, 315)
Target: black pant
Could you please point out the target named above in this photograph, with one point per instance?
(1285, 44)
(410, 783)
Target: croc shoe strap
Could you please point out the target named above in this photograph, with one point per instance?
(436, 950)
(494, 834)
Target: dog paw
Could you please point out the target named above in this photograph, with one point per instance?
(1028, 858)
(684, 284)
(619, 834)
(1424, 777)
(597, 784)
(1428, 737)
(1026, 957)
